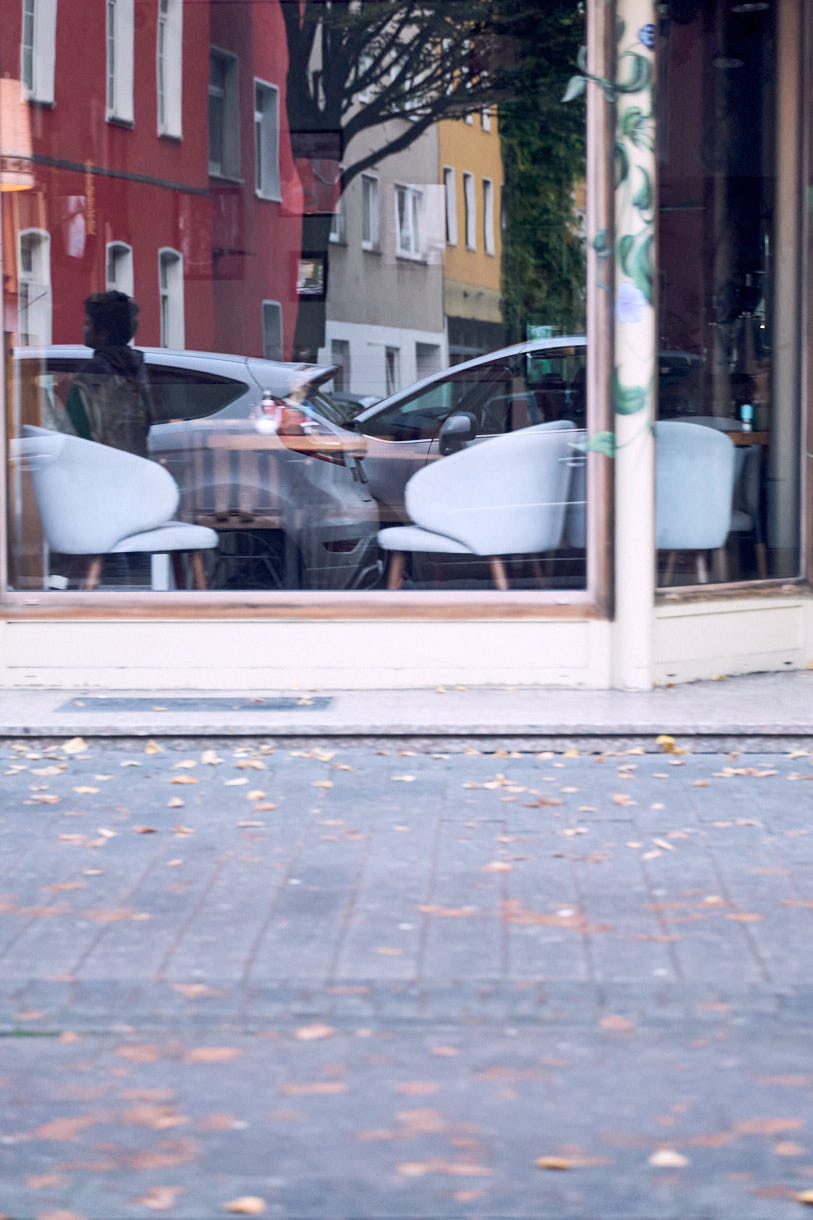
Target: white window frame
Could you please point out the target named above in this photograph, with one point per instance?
(34, 309)
(370, 212)
(171, 298)
(229, 96)
(272, 309)
(343, 363)
(450, 203)
(392, 369)
(338, 224)
(408, 236)
(118, 268)
(120, 43)
(38, 50)
(488, 216)
(267, 183)
(485, 118)
(169, 68)
(470, 208)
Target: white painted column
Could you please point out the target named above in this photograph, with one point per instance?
(635, 380)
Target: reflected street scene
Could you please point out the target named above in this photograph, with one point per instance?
(348, 241)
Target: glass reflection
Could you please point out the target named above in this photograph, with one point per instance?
(329, 218)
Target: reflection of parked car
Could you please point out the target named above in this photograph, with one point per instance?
(284, 488)
(531, 383)
(351, 405)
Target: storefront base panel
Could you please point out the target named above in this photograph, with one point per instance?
(281, 655)
(696, 640)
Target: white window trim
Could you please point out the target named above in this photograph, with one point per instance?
(415, 205)
(488, 216)
(169, 68)
(231, 118)
(41, 274)
(122, 255)
(393, 384)
(450, 204)
(342, 364)
(120, 40)
(277, 305)
(271, 186)
(39, 87)
(374, 241)
(173, 322)
(485, 118)
(338, 224)
(470, 206)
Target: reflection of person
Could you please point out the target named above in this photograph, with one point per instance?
(109, 401)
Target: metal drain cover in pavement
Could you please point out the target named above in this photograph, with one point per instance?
(194, 703)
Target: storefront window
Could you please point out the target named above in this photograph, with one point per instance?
(314, 321)
(729, 490)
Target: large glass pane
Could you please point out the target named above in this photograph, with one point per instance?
(350, 353)
(721, 154)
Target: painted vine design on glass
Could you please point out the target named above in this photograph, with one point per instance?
(631, 93)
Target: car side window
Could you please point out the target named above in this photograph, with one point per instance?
(180, 394)
(420, 416)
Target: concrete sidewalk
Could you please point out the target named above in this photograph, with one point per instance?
(772, 710)
(347, 982)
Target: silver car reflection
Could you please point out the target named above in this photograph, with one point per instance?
(260, 454)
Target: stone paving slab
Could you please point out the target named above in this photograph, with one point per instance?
(383, 982)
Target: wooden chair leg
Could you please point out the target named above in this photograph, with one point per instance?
(762, 560)
(702, 569)
(179, 569)
(395, 572)
(198, 569)
(719, 565)
(94, 572)
(498, 572)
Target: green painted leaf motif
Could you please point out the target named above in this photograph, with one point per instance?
(599, 442)
(581, 58)
(602, 244)
(575, 88)
(622, 164)
(644, 196)
(628, 400)
(637, 127)
(624, 249)
(620, 29)
(641, 268)
(640, 73)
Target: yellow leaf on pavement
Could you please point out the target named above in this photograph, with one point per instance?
(667, 1158)
(75, 746)
(246, 1205)
(552, 1162)
(152, 747)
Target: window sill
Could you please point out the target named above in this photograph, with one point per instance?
(175, 136)
(370, 249)
(219, 176)
(116, 120)
(268, 198)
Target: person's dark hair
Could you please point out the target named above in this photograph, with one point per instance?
(115, 313)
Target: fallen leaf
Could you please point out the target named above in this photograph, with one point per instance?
(552, 1162)
(145, 830)
(175, 802)
(246, 1205)
(805, 1196)
(617, 1023)
(193, 990)
(387, 951)
(256, 794)
(210, 758)
(212, 1054)
(75, 746)
(161, 1198)
(188, 763)
(184, 779)
(667, 1158)
(315, 1088)
(152, 747)
(84, 789)
(498, 866)
(234, 783)
(402, 779)
(664, 843)
(309, 1033)
(789, 1148)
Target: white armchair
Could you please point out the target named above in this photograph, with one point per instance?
(503, 496)
(95, 501)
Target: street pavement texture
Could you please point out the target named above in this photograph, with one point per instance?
(363, 980)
